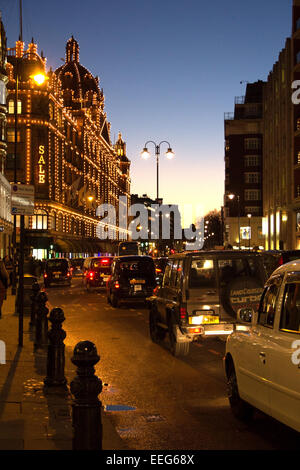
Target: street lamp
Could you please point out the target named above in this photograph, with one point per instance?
(39, 78)
(146, 154)
(249, 217)
(231, 197)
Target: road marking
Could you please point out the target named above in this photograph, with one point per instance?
(216, 353)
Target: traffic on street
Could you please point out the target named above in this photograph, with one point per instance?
(156, 400)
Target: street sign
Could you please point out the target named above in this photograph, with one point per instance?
(22, 199)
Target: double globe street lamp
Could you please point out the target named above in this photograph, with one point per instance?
(146, 154)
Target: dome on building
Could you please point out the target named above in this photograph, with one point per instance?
(78, 84)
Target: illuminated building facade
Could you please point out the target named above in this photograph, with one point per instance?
(243, 170)
(5, 217)
(65, 151)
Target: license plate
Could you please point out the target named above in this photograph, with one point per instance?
(204, 320)
(56, 275)
(105, 279)
(137, 288)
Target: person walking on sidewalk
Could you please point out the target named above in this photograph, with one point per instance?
(4, 277)
(9, 267)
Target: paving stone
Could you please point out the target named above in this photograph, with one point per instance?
(11, 444)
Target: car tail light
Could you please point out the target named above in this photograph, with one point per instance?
(91, 275)
(117, 285)
(45, 275)
(68, 274)
(280, 261)
(183, 313)
(104, 261)
(158, 270)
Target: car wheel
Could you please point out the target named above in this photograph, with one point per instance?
(114, 301)
(177, 349)
(157, 334)
(240, 409)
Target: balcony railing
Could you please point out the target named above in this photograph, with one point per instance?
(228, 116)
(239, 100)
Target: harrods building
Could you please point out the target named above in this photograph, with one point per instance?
(64, 149)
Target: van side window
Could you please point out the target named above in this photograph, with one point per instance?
(174, 273)
(167, 274)
(268, 305)
(290, 314)
(179, 273)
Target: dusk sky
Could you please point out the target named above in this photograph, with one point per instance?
(169, 70)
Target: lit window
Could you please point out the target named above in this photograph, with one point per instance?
(39, 221)
(11, 107)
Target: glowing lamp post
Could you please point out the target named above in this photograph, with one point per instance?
(249, 218)
(39, 78)
(146, 154)
(231, 197)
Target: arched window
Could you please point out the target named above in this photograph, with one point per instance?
(40, 220)
(60, 223)
(51, 112)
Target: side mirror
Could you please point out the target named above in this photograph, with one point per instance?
(245, 315)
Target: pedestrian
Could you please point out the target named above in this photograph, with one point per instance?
(9, 267)
(4, 277)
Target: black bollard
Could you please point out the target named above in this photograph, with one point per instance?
(35, 290)
(41, 322)
(56, 350)
(86, 386)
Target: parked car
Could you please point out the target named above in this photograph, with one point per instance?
(262, 363)
(77, 266)
(96, 271)
(274, 258)
(133, 278)
(200, 295)
(57, 271)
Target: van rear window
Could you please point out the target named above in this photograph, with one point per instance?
(202, 274)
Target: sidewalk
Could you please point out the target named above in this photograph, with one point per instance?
(30, 417)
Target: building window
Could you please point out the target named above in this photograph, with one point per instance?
(2, 92)
(39, 220)
(227, 145)
(11, 135)
(10, 162)
(252, 160)
(252, 143)
(252, 195)
(51, 112)
(252, 178)
(252, 209)
(11, 107)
